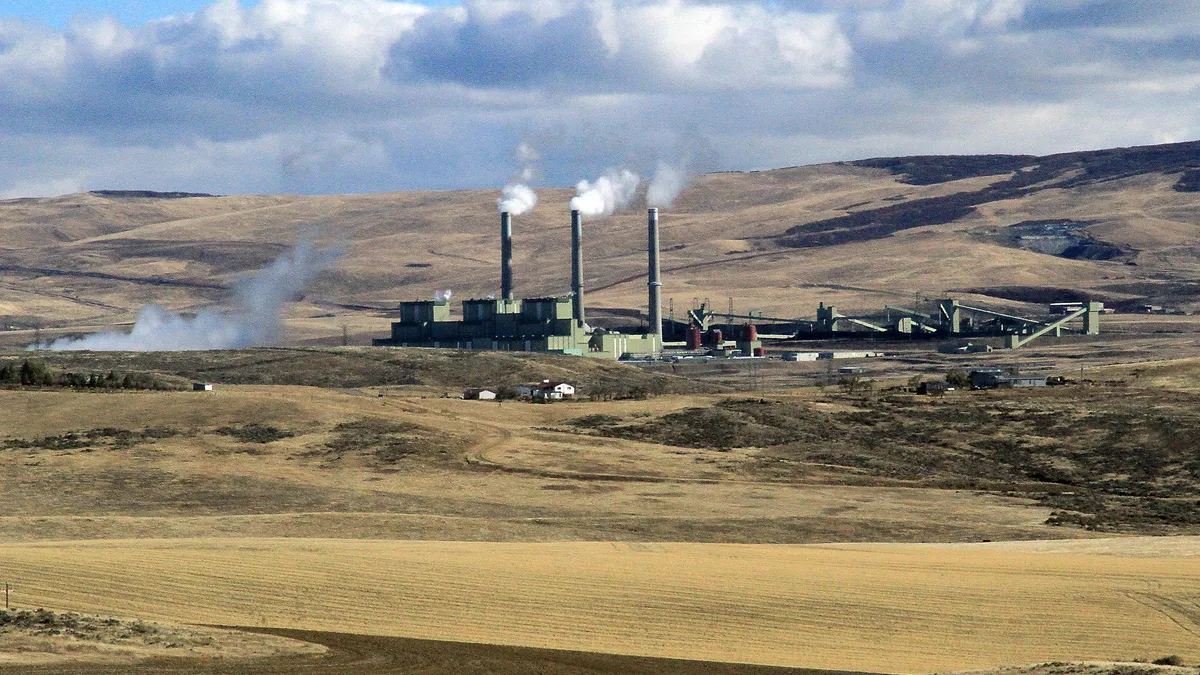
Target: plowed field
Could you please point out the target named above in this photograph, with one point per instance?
(880, 608)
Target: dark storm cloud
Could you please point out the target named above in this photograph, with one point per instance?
(365, 95)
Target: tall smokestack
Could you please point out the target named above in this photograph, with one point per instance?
(577, 265)
(506, 280)
(654, 276)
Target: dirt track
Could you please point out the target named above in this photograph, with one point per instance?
(364, 654)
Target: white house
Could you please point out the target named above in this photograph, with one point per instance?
(546, 391)
(563, 389)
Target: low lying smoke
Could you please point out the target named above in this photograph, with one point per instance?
(669, 180)
(610, 193)
(255, 320)
(517, 197)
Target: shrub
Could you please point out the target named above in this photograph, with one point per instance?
(959, 379)
(255, 433)
(1172, 660)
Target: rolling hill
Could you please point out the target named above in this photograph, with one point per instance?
(1119, 225)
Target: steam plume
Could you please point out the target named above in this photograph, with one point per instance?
(256, 318)
(443, 295)
(517, 198)
(611, 192)
(669, 180)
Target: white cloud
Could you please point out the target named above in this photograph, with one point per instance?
(577, 46)
(361, 95)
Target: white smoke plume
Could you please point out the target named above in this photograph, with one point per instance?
(443, 295)
(611, 192)
(254, 320)
(669, 180)
(518, 198)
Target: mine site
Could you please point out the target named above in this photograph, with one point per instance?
(774, 402)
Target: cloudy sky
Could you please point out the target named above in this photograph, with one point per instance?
(319, 96)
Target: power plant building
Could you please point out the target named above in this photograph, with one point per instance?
(552, 324)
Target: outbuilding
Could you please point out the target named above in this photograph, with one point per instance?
(202, 386)
(800, 356)
(935, 388)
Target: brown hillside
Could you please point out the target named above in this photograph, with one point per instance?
(856, 234)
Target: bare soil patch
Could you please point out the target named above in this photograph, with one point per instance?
(376, 655)
(39, 637)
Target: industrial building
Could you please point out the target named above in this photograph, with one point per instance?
(953, 319)
(551, 324)
(558, 323)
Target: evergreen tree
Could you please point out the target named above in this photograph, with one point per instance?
(35, 373)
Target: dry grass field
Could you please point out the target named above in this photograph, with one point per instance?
(521, 525)
(879, 608)
(155, 464)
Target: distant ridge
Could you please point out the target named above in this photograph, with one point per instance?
(1095, 164)
(1030, 174)
(148, 194)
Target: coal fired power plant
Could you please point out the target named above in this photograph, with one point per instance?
(548, 324)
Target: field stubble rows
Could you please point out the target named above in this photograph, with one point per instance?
(879, 608)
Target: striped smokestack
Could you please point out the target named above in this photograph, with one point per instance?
(506, 280)
(654, 276)
(577, 265)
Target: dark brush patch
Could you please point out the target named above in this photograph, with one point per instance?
(1041, 295)
(933, 169)
(148, 194)
(1032, 175)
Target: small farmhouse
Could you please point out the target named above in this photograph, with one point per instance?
(546, 390)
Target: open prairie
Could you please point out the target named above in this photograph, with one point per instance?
(86, 465)
(329, 509)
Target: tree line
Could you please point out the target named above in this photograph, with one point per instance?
(34, 373)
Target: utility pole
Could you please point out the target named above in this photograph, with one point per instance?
(345, 336)
(6, 588)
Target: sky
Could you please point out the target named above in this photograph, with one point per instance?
(342, 96)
